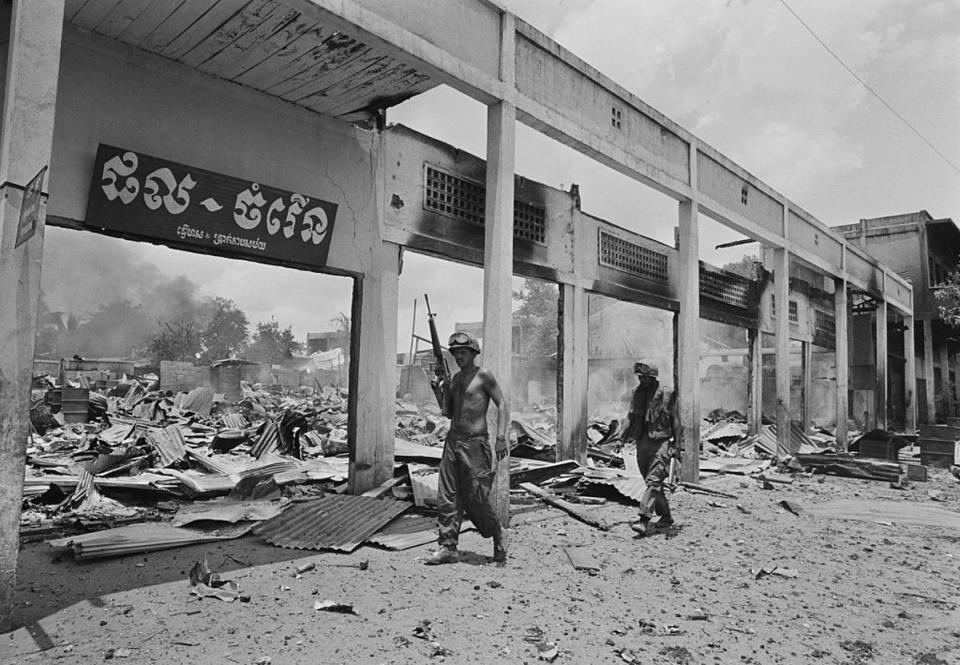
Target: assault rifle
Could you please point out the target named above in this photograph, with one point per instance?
(440, 363)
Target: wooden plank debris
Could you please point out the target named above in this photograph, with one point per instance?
(566, 506)
(582, 559)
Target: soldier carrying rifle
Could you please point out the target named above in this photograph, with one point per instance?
(466, 468)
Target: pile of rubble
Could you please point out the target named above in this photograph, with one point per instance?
(149, 469)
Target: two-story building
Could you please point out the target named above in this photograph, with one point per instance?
(923, 250)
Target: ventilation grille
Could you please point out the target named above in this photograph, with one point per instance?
(465, 200)
(727, 287)
(633, 258)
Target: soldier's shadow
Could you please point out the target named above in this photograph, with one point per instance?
(666, 532)
(475, 559)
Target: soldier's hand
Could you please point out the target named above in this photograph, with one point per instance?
(501, 447)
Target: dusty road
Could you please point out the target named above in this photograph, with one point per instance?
(841, 591)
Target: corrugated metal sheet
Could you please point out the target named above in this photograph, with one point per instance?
(169, 444)
(233, 421)
(409, 531)
(268, 440)
(407, 450)
(336, 522)
(629, 486)
(199, 401)
(725, 430)
(227, 511)
(143, 538)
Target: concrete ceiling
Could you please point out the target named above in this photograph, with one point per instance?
(262, 44)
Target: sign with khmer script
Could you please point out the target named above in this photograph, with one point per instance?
(154, 198)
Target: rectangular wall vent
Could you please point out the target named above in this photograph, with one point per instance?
(459, 198)
(630, 257)
(727, 287)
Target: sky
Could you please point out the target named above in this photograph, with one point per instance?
(744, 76)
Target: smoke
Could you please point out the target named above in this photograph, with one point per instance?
(104, 300)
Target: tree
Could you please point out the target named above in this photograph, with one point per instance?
(537, 314)
(177, 340)
(947, 294)
(745, 267)
(272, 345)
(225, 334)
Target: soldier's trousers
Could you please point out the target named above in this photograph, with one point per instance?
(653, 458)
(466, 477)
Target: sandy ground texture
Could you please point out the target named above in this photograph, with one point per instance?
(738, 580)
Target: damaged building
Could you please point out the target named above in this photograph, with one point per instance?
(213, 127)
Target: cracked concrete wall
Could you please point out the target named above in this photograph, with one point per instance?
(111, 93)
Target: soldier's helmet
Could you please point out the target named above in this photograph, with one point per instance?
(461, 340)
(646, 368)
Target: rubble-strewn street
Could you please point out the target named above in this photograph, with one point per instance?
(739, 580)
(152, 533)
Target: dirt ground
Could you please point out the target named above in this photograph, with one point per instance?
(841, 591)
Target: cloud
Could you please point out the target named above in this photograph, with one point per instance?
(750, 80)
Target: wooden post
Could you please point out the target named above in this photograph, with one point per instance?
(880, 321)
(572, 381)
(781, 284)
(928, 351)
(755, 381)
(26, 142)
(842, 358)
(688, 340)
(909, 375)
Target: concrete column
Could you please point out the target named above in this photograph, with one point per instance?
(755, 382)
(781, 289)
(842, 327)
(909, 375)
(573, 374)
(945, 379)
(806, 367)
(688, 341)
(880, 323)
(26, 142)
(372, 389)
(928, 352)
(498, 271)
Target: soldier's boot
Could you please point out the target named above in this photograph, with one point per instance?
(441, 556)
(500, 546)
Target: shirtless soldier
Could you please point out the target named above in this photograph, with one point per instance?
(466, 470)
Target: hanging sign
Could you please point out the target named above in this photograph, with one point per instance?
(147, 196)
(30, 208)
